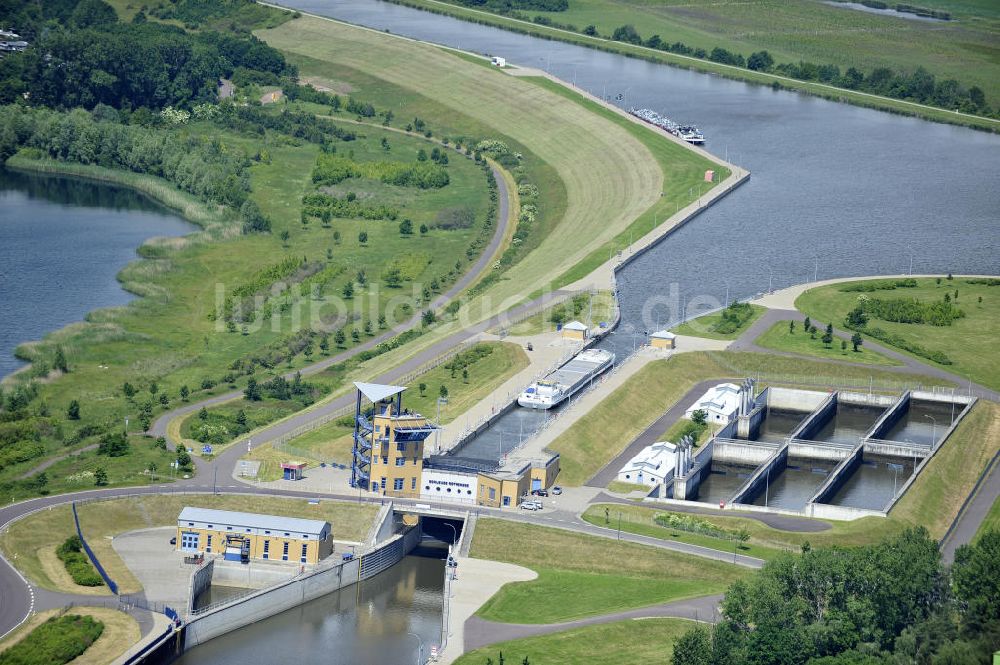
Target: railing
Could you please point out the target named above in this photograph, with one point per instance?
(90, 553)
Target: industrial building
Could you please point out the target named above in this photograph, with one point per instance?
(244, 536)
(576, 331)
(663, 339)
(652, 466)
(719, 403)
(388, 458)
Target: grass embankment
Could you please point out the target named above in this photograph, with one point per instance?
(580, 575)
(779, 338)
(727, 324)
(697, 64)
(159, 190)
(610, 176)
(599, 435)
(992, 521)
(488, 364)
(636, 641)
(102, 520)
(589, 308)
(120, 631)
(621, 487)
(965, 342)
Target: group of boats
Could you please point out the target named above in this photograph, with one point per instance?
(689, 133)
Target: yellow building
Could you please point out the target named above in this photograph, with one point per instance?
(663, 339)
(576, 331)
(243, 536)
(388, 455)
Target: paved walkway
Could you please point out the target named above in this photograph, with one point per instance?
(974, 511)
(476, 581)
(480, 632)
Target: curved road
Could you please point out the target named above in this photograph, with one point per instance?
(159, 427)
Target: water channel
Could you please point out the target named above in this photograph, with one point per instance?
(62, 240)
(369, 622)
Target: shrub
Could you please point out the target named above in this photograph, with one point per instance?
(77, 563)
(59, 640)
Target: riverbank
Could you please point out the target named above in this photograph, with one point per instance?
(867, 100)
(158, 190)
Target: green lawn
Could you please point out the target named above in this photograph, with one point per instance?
(103, 519)
(582, 575)
(589, 308)
(778, 338)
(603, 432)
(621, 487)
(635, 641)
(965, 341)
(963, 49)
(706, 326)
(992, 521)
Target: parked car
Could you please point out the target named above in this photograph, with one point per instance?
(173, 541)
(556, 490)
(531, 505)
(540, 492)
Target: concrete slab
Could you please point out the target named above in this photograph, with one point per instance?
(476, 582)
(158, 567)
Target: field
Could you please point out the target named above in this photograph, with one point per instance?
(705, 326)
(609, 175)
(594, 439)
(791, 32)
(964, 342)
(102, 520)
(120, 632)
(580, 575)
(590, 309)
(637, 641)
(778, 338)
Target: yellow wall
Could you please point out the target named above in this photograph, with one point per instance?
(315, 549)
(574, 334)
(486, 483)
(385, 456)
(661, 343)
(547, 474)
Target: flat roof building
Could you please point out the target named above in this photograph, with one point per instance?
(575, 330)
(663, 339)
(652, 466)
(244, 536)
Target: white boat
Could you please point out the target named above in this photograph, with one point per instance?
(689, 133)
(566, 381)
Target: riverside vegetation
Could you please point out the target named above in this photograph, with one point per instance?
(802, 42)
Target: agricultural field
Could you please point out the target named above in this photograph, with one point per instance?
(581, 575)
(956, 342)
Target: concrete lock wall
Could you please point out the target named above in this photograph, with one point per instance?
(792, 399)
(833, 452)
(771, 467)
(303, 588)
(892, 416)
(737, 451)
(201, 579)
(686, 486)
(749, 425)
(814, 422)
(839, 475)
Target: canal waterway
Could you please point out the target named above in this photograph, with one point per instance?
(848, 424)
(723, 481)
(792, 487)
(778, 424)
(836, 190)
(62, 240)
(874, 483)
(368, 622)
(923, 423)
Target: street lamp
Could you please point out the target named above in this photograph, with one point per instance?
(454, 540)
(437, 432)
(420, 647)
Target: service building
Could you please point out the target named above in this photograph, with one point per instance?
(244, 536)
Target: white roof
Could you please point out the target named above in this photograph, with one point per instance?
(575, 325)
(663, 334)
(252, 520)
(657, 457)
(376, 391)
(723, 398)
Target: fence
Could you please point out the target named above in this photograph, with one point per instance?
(90, 553)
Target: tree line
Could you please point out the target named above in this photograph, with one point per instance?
(891, 603)
(89, 57)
